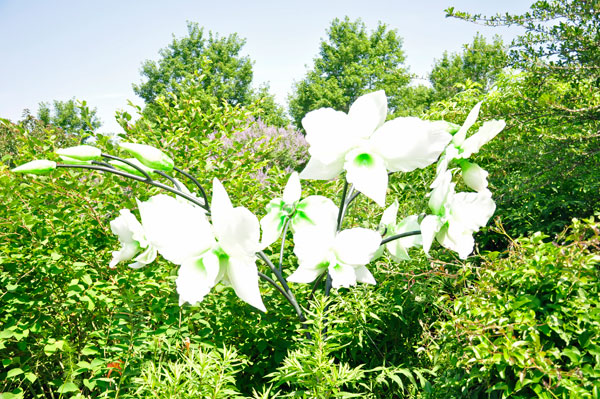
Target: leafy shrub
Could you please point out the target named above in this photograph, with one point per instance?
(527, 323)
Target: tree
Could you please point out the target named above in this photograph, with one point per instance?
(480, 62)
(550, 99)
(213, 63)
(72, 116)
(351, 62)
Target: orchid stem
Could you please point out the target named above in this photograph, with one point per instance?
(340, 220)
(166, 176)
(195, 181)
(136, 167)
(136, 178)
(285, 228)
(290, 295)
(401, 235)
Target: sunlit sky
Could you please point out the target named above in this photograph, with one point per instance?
(93, 50)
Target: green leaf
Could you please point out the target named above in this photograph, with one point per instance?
(68, 387)
(14, 372)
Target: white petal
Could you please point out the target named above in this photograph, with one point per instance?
(271, 225)
(356, 246)
(390, 214)
(456, 238)
(315, 210)
(292, 190)
(313, 245)
(368, 174)
(125, 225)
(429, 228)
(472, 210)
(474, 176)
(177, 229)
(243, 276)
(196, 278)
(327, 134)
(363, 275)
(306, 274)
(236, 229)
(145, 258)
(399, 248)
(368, 113)
(316, 170)
(342, 275)
(127, 252)
(486, 132)
(459, 137)
(443, 189)
(410, 143)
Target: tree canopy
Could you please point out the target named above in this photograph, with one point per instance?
(480, 62)
(351, 62)
(72, 115)
(214, 63)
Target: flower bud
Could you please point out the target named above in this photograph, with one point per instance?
(131, 169)
(73, 161)
(149, 156)
(474, 176)
(81, 152)
(38, 167)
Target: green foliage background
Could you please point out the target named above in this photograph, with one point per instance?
(519, 319)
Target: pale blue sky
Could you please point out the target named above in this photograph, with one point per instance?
(93, 50)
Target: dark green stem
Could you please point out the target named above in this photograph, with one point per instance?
(136, 167)
(136, 178)
(285, 228)
(401, 235)
(195, 181)
(166, 176)
(290, 295)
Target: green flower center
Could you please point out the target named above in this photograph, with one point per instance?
(364, 160)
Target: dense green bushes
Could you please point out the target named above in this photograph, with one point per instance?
(527, 323)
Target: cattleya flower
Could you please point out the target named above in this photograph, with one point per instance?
(456, 216)
(133, 241)
(461, 148)
(224, 252)
(398, 249)
(308, 212)
(366, 147)
(343, 254)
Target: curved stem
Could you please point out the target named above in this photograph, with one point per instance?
(285, 228)
(401, 235)
(342, 205)
(166, 176)
(136, 178)
(136, 167)
(290, 295)
(315, 285)
(274, 284)
(195, 181)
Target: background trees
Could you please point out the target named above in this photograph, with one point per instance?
(351, 62)
(213, 63)
(480, 62)
(72, 116)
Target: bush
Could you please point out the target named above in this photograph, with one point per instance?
(527, 323)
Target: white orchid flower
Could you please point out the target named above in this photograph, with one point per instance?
(367, 147)
(224, 252)
(398, 249)
(461, 148)
(343, 254)
(308, 212)
(133, 241)
(456, 216)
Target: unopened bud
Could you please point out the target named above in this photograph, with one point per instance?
(38, 167)
(81, 152)
(149, 156)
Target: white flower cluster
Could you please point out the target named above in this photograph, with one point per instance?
(223, 250)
